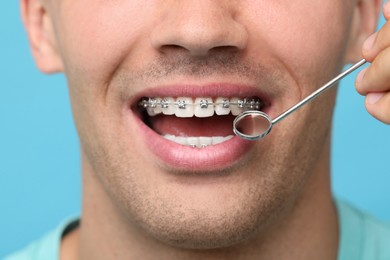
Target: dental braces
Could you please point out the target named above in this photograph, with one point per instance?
(247, 103)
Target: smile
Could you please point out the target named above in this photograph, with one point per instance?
(192, 127)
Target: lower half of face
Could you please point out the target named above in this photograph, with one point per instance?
(154, 108)
(194, 207)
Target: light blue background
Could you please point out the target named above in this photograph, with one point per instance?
(39, 156)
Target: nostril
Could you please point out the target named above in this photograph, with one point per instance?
(224, 49)
(172, 48)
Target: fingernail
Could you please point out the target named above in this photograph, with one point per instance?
(360, 76)
(372, 98)
(369, 43)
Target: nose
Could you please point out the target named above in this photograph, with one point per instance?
(199, 26)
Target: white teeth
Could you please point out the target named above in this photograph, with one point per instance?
(177, 139)
(203, 107)
(166, 108)
(222, 106)
(198, 142)
(193, 141)
(169, 137)
(152, 106)
(237, 108)
(157, 109)
(199, 107)
(184, 107)
(220, 139)
(180, 140)
(205, 141)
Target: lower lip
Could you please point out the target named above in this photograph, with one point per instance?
(186, 158)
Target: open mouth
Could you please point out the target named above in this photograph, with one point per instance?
(197, 122)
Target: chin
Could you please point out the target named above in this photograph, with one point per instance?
(198, 223)
(200, 231)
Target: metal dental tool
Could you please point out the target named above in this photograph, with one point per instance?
(254, 125)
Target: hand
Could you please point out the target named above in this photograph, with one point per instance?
(374, 81)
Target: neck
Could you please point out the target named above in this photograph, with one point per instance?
(307, 230)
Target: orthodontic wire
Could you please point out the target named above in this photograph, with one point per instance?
(245, 103)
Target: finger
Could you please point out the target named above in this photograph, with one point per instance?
(375, 78)
(386, 10)
(376, 43)
(378, 105)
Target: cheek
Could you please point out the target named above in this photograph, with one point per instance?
(97, 35)
(308, 37)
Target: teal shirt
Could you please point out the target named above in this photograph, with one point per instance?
(48, 248)
(361, 238)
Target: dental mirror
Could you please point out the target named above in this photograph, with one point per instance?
(254, 125)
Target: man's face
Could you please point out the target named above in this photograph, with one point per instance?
(117, 52)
